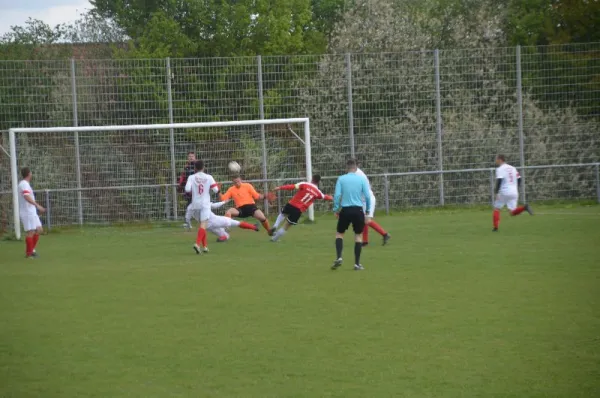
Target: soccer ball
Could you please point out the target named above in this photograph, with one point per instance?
(234, 167)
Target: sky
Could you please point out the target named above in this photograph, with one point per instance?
(53, 12)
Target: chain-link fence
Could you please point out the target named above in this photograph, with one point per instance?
(425, 125)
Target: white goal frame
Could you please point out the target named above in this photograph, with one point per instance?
(262, 122)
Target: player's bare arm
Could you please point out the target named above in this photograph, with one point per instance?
(29, 199)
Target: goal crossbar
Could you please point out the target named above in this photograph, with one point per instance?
(77, 129)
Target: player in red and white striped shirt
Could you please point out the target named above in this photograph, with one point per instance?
(307, 193)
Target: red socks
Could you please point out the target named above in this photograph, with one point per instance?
(36, 237)
(201, 238)
(29, 245)
(366, 234)
(245, 225)
(496, 218)
(518, 211)
(377, 228)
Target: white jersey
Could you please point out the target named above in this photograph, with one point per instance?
(200, 185)
(362, 173)
(26, 208)
(509, 176)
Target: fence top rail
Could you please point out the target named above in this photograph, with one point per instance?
(164, 126)
(278, 180)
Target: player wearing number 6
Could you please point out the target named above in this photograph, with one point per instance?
(508, 181)
(307, 193)
(199, 185)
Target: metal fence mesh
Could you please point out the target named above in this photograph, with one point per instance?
(405, 116)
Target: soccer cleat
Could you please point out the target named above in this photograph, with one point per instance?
(30, 256)
(205, 250)
(34, 254)
(528, 209)
(495, 230)
(187, 226)
(358, 267)
(257, 229)
(197, 249)
(271, 231)
(222, 239)
(336, 264)
(386, 239)
(365, 244)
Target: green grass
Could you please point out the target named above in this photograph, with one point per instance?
(448, 309)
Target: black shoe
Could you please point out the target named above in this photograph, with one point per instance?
(197, 249)
(528, 209)
(336, 264)
(257, 225)
(386, 239)
(271, 231)
(365, 244)
(495, 230)
(35, 255)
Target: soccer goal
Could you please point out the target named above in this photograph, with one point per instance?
(131, 173)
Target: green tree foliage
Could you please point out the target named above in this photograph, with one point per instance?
(223, 28)
(541, 22)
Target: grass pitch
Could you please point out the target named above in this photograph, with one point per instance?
(448, 309)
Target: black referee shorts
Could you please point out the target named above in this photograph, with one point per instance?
(351, 216)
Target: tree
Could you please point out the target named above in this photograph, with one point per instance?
(224, 28)
(541, 22)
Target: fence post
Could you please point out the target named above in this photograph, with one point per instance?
(598, 182)
(261, 113)
(350, 105)
(386, 185)
(167, 204)
(520, 123)
(492, 186)
(172, 139)
(77, 153)
(48, 221)
(438, 124)
(278, 198)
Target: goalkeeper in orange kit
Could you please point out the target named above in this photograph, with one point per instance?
(244, 198)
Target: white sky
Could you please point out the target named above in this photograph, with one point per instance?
(53, 12)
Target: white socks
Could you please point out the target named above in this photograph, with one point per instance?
(188, 214)
(279, 220)
(280, 232)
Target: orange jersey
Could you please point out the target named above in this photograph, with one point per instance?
(244, 195)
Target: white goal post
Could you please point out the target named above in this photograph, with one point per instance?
(32, 147)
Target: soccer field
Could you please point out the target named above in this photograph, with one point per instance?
(447, 309)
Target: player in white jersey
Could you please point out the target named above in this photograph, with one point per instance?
(199, 185)
(28, 209)
(370, 212)
(218, 224)
(508, 181)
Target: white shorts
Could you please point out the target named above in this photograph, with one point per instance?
(509, 201)
(370, 212)
(31, 222)
(215, 222)
(201, 214)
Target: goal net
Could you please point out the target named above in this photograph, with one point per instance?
(131, 173)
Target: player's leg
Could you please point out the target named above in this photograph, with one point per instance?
(222, 235)
(233, 212)
(358, 225)
(498, 205)
(36, 235)
(259, 215)
(516, 210)
(188, 214)
(230, 223)
(342, 226)
(280, 219)
(29, 228)
(292, 215)
(373, 224)
(201, 215)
